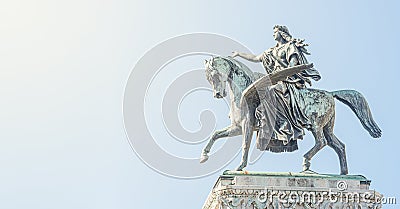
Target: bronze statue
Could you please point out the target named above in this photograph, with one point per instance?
(281, 109)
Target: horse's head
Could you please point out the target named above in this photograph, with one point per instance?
(217, 73)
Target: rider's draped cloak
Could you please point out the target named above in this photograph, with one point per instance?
(281, 118)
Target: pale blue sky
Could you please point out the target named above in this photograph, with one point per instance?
(64, 66)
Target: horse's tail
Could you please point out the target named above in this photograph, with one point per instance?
(356, 101)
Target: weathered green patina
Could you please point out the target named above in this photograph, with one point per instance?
(280, 110)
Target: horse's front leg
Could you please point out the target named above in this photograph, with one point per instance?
(232, 130)
(247, 130)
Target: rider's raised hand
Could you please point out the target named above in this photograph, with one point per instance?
(234, 54)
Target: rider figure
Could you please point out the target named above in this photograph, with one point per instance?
(287, 110)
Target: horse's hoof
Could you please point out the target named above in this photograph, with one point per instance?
(240, 168)
(203, 158)
(308, 171)
(306, 165)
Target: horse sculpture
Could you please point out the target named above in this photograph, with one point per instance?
(320, 109)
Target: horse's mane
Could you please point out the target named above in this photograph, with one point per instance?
(238, 68)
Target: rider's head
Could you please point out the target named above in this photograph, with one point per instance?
(282, 32)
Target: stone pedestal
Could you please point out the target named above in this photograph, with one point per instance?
(260, 190)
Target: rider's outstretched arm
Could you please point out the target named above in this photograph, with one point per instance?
(249, 57)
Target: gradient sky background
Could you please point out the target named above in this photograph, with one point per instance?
(64, 66)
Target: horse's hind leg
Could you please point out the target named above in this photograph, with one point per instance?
(339, 148)
(247, 132)
(228, 131)
(337, 145)
(320, 143)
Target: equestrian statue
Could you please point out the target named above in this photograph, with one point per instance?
(278, 106)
